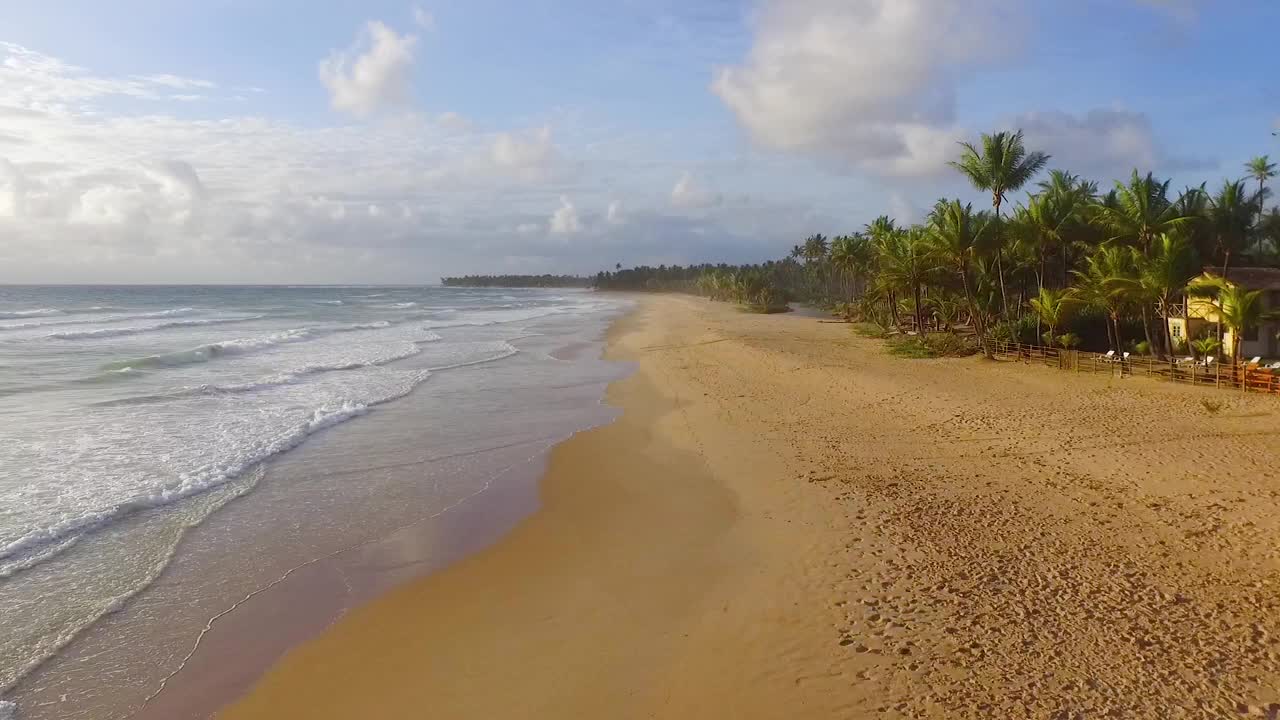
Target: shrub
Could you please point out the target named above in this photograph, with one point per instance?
(933, 345)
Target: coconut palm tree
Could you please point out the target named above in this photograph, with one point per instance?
(1141, 211)
(1161, 278)
(1193, 204)
(1262, 170)
(959, 237)
(1239, 309)
(1053, 307)
(1231, 216)
(1103, 284)
(850, 257)
(906, 262)
(1001, 166)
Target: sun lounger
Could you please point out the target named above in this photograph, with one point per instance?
(1109, 357)
(1189, 360)
(1255, 361)
(1274, 366)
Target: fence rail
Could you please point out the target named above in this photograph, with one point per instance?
(1229, 376)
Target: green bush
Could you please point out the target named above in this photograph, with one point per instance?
(933, 345)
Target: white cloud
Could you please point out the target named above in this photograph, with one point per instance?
(1101, 143)
(866, 84)
(564, 221)
(614, 214)
(689, 194)
(530, 150)
(373, 73)
(423, 19)
(454, 122)
(39, 82)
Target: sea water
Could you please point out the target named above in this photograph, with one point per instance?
(128, 416)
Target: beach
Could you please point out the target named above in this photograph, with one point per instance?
(785, 521)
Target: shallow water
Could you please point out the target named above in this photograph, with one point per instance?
(336, 415)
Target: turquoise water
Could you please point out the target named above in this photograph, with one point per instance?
(131, 415)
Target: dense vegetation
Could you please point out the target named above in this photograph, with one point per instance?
(518, 281)
(1069, 265)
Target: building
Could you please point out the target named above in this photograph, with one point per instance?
(1199, 316)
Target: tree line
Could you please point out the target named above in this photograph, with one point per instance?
(517, 281)
(1068, 264)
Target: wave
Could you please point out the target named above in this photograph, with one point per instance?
(18, 314)
(287, 377)
(35, 542)
(137, 330)
(329, 302)
(205, 353)
(96, 320)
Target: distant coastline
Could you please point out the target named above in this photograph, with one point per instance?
(517, 281)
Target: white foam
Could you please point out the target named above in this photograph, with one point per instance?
(30, 313)
(8, 711)
(209, 475)
(136, 330)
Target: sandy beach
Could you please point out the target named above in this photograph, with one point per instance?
(786, 522)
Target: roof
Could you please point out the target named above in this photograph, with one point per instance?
(1251, 278)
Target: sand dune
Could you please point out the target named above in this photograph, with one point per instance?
(787, 523)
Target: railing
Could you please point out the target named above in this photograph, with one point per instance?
(1244, 378)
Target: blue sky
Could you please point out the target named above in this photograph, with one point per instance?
(291, 141)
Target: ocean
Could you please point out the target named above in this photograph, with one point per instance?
(309, 421)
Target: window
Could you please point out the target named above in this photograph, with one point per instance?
(1176, 330)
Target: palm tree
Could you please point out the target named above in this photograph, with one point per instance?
(1193, 204)
(1262, 170)
(851, 257)
(1231, 216)
(1141, 211)
(1103, 285)
(1053, 307)
(1003, 165)
(906, 261)
(958, 236)
(1238, 309)
(1162, 275)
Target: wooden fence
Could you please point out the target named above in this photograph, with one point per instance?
(1242, 378)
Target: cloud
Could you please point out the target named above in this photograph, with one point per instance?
(564, 221)
(33, 83)
(372, 74)
(423, 19)
(688, 194)
(529, 155)
(1100, 143)
(614, 214)
(863, 84)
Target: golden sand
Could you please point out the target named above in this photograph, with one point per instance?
(787, 523)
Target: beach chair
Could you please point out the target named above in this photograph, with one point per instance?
(1209, 361)
(1109, 357)
(1188, 360)
(1274, 366)
(1254, 361)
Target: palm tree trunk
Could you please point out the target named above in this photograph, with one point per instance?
(1146, 330)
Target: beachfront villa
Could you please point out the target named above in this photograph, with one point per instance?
(1199, 316)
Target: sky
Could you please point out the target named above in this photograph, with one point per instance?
(326, 141)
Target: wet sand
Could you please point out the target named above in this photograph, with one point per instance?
(787, 522)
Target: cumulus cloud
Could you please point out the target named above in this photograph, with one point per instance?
(689, 194)
(373, 73)
(1100, 143)
(865, 84)
(564, 221)
(529, 151)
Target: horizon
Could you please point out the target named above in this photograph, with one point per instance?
(375, 146)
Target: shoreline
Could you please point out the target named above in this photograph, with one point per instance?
(356, 511)
(786, 522)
